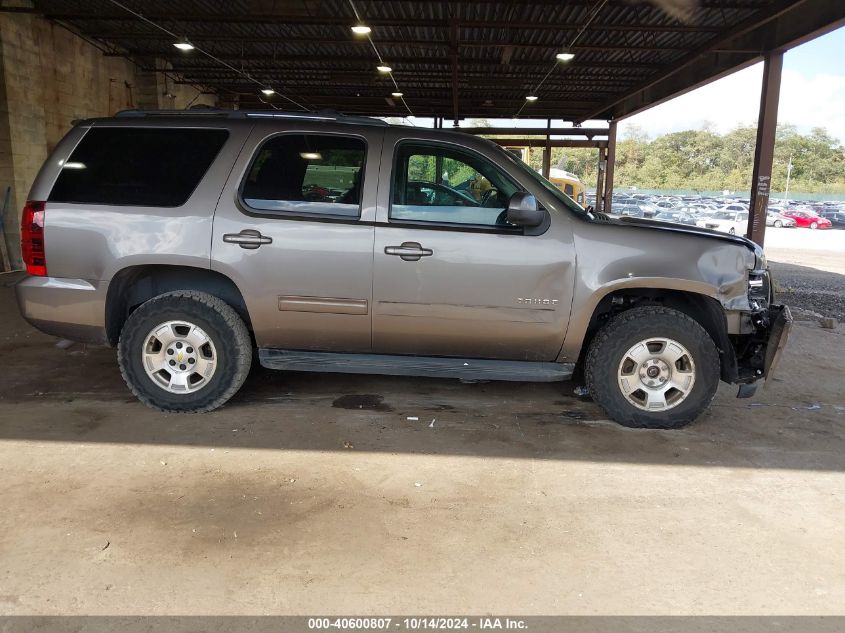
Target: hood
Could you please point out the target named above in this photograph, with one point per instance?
(658, 225)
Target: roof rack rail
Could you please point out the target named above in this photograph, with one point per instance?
(321, 115)
(139, 112)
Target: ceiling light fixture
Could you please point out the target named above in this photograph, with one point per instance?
(531, 98)
(184, 45)
(311, 155)
(565, 55)
(384, 68)
(398, 95)
(361, 29)
(268, 91)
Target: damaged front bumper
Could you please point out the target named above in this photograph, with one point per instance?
(759, 353)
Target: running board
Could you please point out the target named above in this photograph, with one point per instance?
(430, 366)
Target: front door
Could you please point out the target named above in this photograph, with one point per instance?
(451, 276)
(294, 231)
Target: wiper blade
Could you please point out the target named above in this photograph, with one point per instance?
(597, 216)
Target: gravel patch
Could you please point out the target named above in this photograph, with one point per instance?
(810, 289)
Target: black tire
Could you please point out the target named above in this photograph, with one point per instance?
(814, 225)
(624, 331)
(222, 325)
(732, 231)
(778, 224)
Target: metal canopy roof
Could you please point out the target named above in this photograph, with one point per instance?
(450, 59)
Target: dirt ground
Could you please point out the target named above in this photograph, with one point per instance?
(332, 494)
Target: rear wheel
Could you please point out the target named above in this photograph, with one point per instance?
(184, 351)
(814, 225)
(778, 224)
(652, 367)
(732, 231)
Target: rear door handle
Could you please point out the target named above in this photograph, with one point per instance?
(248, 238)
(409, 251)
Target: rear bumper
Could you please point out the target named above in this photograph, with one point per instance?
(68, 308)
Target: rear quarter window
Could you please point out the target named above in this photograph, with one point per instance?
(154, 167)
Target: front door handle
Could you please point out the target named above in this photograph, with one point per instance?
(248, 238)
(409, 251)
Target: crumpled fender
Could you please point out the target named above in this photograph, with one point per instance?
(615, 256)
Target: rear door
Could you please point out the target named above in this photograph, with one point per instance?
(451, 277)
(294, 230)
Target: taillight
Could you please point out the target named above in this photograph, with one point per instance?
(32, 239)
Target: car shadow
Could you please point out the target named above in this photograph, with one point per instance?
(75, 394)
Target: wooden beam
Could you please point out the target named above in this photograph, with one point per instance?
(541, 142)
(589, 132)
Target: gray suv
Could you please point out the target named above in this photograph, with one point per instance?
(342, 244)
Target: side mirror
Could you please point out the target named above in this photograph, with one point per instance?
(524, 211)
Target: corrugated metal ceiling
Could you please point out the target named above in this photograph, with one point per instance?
(480, 58)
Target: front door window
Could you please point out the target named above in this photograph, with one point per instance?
(444, 185)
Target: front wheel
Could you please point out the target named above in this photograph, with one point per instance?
(778, 224)
(184, 351)
(814, 225)
(652, 367)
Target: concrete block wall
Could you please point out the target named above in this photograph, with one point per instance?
(48, 78)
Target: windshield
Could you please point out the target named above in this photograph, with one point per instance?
(548, 186)
(725, 215)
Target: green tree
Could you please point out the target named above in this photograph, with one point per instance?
(703, 160)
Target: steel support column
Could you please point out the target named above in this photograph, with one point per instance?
(608, 171)
(761, 178)
(602, 165)
(547, 151)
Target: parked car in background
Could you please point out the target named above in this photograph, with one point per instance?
(698, 207)
(667, 204)
(678, 217)
(733, 222)
(627, 209)
(649, 210)
(633, 207)
(701, 213)
(836, 217)
(778, 220)
(439, 195)
(807, 219)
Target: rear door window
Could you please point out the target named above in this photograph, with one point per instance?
(143, 166)
(310, 174)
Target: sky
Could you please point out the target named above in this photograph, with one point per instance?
(812, 94)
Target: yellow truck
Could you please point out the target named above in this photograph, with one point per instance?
(564, 180)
